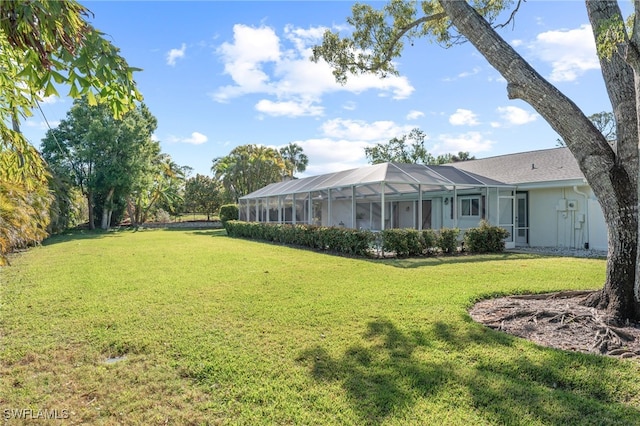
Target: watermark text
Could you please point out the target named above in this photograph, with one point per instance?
(31, 414)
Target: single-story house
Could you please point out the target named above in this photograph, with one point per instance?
(540, 197)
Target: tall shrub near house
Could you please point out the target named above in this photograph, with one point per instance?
(404, 242)
(447, 240)
(485, 238)
(430, 240)
(228, 212)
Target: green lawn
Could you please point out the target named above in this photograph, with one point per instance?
(217, 330)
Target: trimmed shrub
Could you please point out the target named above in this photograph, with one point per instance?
(429, 240)
(447, 240)
(485, 238)
(404, 242)
(228, 212)
(341, 240)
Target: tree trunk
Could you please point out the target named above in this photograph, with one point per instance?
(619, 294)
(92, 223)
(107, 208)
(612, 178)
(131, 211)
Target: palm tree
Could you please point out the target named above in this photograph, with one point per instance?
(295, 160)
(248, 168)
(24, 201)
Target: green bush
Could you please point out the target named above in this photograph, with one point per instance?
(447, 240)
(485, 238)
(228, 212)
(340, 240)
(429, 240)
(404, 242)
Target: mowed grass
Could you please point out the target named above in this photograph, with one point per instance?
(214, 330)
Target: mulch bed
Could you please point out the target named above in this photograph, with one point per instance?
(559, 320)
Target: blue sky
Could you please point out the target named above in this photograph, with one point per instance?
(218, 74)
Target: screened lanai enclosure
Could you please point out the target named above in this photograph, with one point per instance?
(383, 196)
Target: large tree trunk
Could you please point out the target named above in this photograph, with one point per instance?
(131, 211)
(611, 175)
(107, 208)
(619, 294)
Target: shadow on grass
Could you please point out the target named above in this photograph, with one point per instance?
(385, 377)
(82, 234)
(89, 234)
(420, 262)
(382, 377)
(203, 232)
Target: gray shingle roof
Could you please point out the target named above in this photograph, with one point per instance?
(546, 165)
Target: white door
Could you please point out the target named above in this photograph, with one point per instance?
(522, 219)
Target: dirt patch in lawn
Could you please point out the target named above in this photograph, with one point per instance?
(559, 320)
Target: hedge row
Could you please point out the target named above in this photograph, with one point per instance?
(340, 240)
(411, 242)
(401, 242)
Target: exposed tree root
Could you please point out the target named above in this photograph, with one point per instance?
(560, 320)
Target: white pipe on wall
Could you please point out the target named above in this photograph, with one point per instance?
(586, 211)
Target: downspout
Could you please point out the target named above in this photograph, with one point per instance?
(293, 210)
(419, 227)
(586, 214)
(329, 208)
(455, 207)
(354, 220)
(382, 207)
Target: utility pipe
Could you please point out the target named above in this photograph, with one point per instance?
(586, 212)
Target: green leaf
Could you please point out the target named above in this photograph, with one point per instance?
(58, 78)
(73, 91)
(91, 98)
(50, 90)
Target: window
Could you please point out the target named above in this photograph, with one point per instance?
(470, 207)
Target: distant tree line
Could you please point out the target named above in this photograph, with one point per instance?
(410, 149)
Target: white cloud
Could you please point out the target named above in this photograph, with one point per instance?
(464, 74)
(464, 117)
(343, 142)
(379, 131)
(196, 138)
(414, 115)
(244, 57)
(349, 106)
(473, 142)
(302, 38)
(330, 155)
(41, 125)
(288, 108)
(175, 54)
(50, 100)
(571, 53)
(515, 116)
(261, 62)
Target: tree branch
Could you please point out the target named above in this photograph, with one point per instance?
(387, 54)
